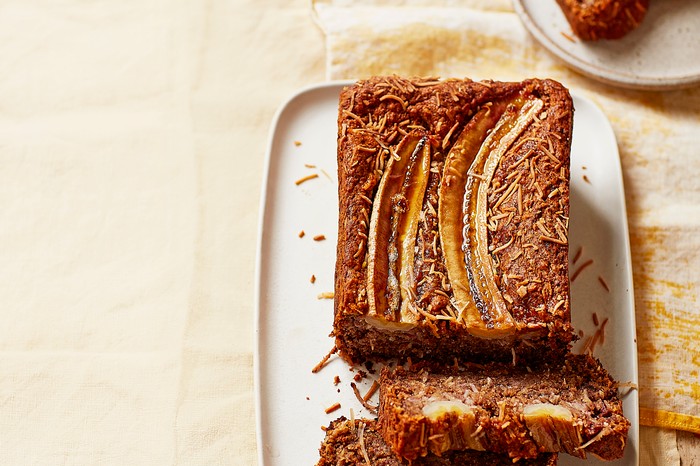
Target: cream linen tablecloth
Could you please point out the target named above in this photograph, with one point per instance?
(658, 136)
(131, 154)
(133, 136)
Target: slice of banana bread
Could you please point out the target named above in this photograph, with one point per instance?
(603, 19)
(352, 443)
(453, 225)
(570, 407)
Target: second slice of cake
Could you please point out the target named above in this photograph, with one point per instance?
(569, 406)
(357, 442)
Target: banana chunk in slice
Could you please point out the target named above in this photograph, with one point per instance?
(554, 428)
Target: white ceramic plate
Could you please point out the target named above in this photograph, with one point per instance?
(662, 53)
(292, 325)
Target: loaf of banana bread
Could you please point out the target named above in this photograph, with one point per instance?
(511, 409)
(453, 225)
(352, 443)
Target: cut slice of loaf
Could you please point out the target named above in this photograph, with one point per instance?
(453, 225)
(570, 407)
(357, 443)
(603, 19)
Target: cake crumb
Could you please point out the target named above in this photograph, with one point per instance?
(302, 233)
(336, 380)
(297, 143)
(325, 295)
(585, 178)
(312, 279)
(320, 238)
(359, 376)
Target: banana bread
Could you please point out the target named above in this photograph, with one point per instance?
(453, 225)
(570, 407)
(352, 443)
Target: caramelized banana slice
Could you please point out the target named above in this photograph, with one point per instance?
(450, 211)
(553, 428)
(392, 233)
(413, 191)
(463, 423)
(434, 410)
(492, 308)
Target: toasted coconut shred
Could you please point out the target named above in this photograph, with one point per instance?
(332, 408)
(625, 388)
(363, 400)
(372, 390)
(580, 269)
(325, 359)
(352, 421)
(598, 337)
(361, 440)
(604, 431)
(306, 178)
(577, 256)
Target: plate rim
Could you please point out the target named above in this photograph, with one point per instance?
(257, 283)
(596, 72)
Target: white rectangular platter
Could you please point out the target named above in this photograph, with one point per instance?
(293, 323)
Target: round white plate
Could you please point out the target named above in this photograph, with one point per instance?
(662, 53)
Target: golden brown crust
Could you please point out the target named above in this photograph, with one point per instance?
(496, 398)
(342, 447)
(527, 232)
(603, 19)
